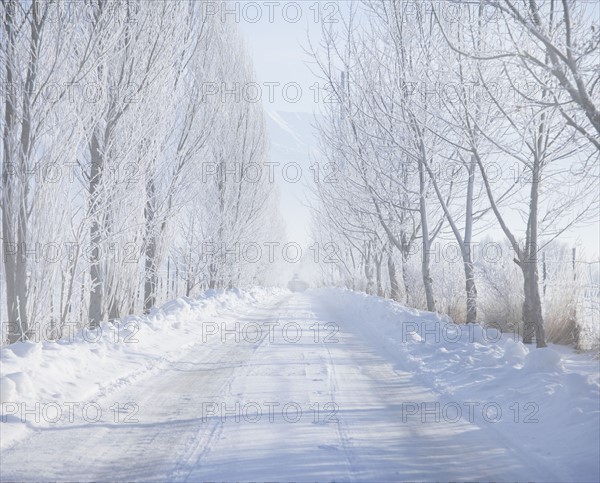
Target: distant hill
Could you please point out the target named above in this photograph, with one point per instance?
(293, 140)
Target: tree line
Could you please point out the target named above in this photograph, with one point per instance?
(444, 127)
(109, 122)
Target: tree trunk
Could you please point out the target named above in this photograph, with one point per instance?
(394, 286)
(467, 253)
(425, 259)
(113, 306)
(533, 321)
(96, 306)
(378, 261)
(15, 237)
(471, 291)
(212, 274)
(8, 190)
(151, 276)
(67, 307)
(405, 278)
(368, 270)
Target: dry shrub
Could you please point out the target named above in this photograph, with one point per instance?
(500, 287)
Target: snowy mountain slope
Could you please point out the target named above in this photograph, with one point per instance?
(323, 385)
(292, 135)
(293, 141)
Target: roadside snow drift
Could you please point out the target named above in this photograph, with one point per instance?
(88, 363)
(544, 401)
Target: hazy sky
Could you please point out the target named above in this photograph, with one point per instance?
(276, 43)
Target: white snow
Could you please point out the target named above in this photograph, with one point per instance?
(557, 391)
(401, 395)
(88, 364)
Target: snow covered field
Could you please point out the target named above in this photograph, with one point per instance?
(325, 385)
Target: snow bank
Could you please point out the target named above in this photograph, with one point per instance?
(88, 364)
(549, 398)
(543, 360)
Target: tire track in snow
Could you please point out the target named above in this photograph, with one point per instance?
(340, 424)
(196, 451)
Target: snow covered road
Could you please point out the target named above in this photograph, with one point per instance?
(307, 397)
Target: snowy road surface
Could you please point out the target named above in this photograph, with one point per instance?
(330, 407)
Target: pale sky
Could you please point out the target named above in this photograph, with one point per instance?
(276, 44)
(282, 69)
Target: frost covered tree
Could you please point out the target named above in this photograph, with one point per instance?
(107, 122)
(486, 122)
(232, 185)
(530, 92)
(41, 73)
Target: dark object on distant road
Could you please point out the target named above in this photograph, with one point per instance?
(297, 285)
